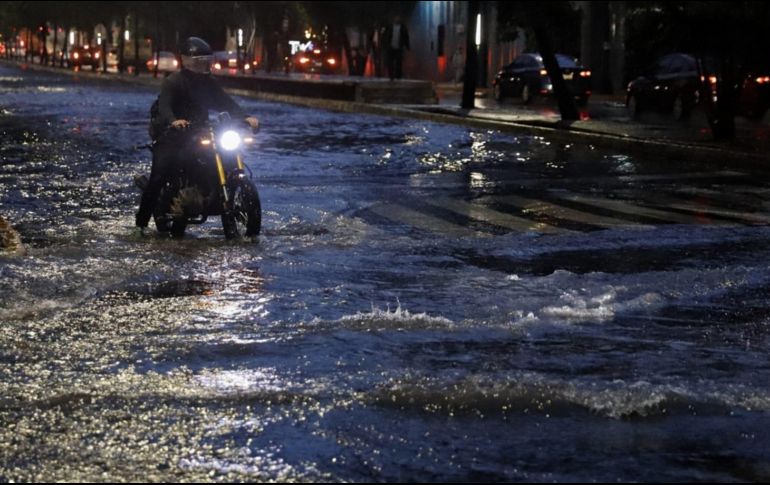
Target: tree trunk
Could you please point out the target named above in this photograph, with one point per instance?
(471, 58)
(136, 45)
(156, 45)
(121, 46)
(560, 90)
(28, 50)
(723, 125)
(55, 43)
(107, 40)
(65, 48)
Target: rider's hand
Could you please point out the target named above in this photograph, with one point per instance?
(180, 124)
(253, 122)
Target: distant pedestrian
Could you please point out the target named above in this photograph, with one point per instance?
(272, 51)
(395, 40)
(358, 62)
(458, 64)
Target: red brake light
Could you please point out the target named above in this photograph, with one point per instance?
(763, 80)
(585, 73)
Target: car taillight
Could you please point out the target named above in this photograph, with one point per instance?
(176, 63)
(217, 66)
(585, 73)
(247, 66)
(763, 80)
(543, 72)
(710, 79)
(331, 61)
(304, 60)
(76, 56)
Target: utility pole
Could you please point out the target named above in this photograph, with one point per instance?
(471, 57)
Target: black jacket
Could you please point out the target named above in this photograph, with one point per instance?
(403, 41)
(188, 95)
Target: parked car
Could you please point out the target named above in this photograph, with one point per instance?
(754, 100)
(526, 77)
(166, 61)
(671, 85)
(675, 83)
(227, 61)
(85, 55)
(318, 61)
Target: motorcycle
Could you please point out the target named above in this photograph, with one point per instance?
(215, 182)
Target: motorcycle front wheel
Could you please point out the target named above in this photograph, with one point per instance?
(245, 214)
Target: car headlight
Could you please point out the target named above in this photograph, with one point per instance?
(230, 140)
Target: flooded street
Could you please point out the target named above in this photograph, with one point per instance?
(426, 303)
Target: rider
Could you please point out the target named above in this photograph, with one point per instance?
(185, 97)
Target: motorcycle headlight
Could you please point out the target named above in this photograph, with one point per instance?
(230, 140)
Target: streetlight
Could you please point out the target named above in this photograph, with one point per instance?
(239, 50)
(478, 31)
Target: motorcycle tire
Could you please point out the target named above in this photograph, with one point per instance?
(178, 227)
(163, 223)
(245, 216)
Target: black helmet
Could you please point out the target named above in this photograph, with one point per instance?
(194, 47)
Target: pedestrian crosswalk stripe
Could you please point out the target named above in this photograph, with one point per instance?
(723, 175)
(663, 201)
(679, 176)
(554, 210)
(630, 208)
(752, 218)
(490, 216)
(405, 215)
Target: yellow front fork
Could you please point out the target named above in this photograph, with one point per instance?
(222, 179)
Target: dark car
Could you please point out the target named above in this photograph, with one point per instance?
(164, 60)
(526, 78)
(317, 61)
(676, 82)
(755, 94)
(227, 62)
(82, 56)
(671, 85)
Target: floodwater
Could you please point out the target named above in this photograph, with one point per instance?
(415, 309)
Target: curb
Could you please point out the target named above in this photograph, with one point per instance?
(557, 131)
